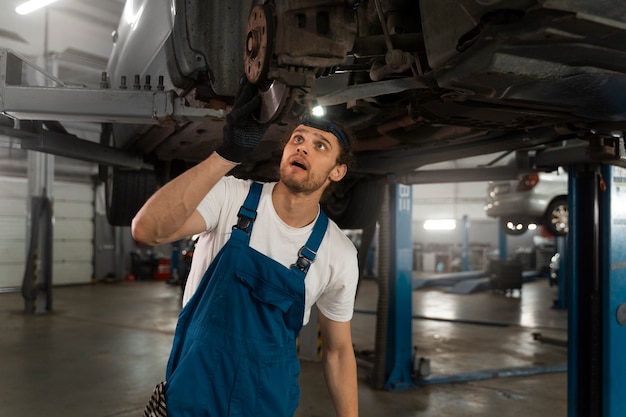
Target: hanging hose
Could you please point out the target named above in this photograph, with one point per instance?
(38, 280)
(382, 316)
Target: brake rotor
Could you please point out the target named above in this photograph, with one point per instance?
(273, 101)
(257, 61)
(259, 40)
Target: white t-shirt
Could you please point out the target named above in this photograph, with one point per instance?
(331, 280)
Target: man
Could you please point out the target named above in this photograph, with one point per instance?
(234, 350)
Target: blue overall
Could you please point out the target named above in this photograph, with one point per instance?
(234, 350)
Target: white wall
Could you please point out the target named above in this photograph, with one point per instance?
(80, 41)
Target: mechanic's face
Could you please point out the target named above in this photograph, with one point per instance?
(309, 161)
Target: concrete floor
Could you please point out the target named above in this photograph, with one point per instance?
(105, 346)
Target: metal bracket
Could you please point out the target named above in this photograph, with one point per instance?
(79, 103)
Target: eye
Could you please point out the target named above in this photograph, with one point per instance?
(321, 146)
(298, 139)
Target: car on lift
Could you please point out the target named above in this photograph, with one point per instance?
(538, 198)
(416, 82)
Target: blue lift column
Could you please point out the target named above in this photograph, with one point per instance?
(502, 247)
(597, 294)
(398, 361)
(614, 290)
(465, 248)
(561, 245)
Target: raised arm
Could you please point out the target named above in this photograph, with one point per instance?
(339, 366)
(170, 214)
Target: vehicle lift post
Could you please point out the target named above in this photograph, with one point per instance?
(560, 244)
(400, 330)
(465, 249)
(596, 260)
(37, 279)
(502, 245)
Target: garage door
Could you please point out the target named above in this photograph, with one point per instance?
(73, 232)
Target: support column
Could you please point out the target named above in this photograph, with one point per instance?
(561, 282)
(502, 247)
(465, 250)
(37, 282)
(400, 329)
(613, 247)
(597, 295)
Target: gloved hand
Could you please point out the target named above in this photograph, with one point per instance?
(242, 133)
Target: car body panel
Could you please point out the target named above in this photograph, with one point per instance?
(144, 28)
(504, 200)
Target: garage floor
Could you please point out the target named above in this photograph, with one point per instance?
(105, 346)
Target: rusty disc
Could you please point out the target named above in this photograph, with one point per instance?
(259, 40)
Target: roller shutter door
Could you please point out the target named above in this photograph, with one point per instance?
(73, 232)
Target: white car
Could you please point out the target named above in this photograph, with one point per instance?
(535, 198)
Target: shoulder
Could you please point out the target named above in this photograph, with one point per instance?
(338, 240)
(230, 189)
(224, 198)
(231, 183)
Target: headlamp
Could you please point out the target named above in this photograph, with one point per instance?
(327, 126)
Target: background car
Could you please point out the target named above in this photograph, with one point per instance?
(535, 197)
(416, 82)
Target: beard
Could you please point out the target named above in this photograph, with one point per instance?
(304, 185)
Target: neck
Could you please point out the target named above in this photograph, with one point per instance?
(295, 209)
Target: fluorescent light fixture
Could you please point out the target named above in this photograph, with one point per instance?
(318, 111)
(440, 224)
(32, 5)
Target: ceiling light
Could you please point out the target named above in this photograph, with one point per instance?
(32, 5)
(440, 224)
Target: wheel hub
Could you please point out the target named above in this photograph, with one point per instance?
(257, 61)
(259, 40)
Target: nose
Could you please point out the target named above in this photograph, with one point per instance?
(302, 148)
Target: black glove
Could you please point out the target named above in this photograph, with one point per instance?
(242, 133)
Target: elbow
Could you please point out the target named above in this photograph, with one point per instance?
(141, 232)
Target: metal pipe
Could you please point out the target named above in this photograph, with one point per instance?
(382, 313)
(383, 24)
(73, 147)
(491, 374)
(438, 176)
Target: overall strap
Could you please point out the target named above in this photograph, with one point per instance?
(307, 253)
(247, 212)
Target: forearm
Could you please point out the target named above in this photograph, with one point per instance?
(166, 212)
(340, 372)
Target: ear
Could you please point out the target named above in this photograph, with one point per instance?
(338, 172)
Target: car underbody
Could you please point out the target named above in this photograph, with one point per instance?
(415, 82)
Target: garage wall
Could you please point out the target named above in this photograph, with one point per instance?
(73, 231)
(452, 201)
(13, 225)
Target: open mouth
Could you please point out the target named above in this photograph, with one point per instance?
(298, 164)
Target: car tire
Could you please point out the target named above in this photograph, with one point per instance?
(354, 204)
(513, 227)
(126, 191)
(556, 217)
